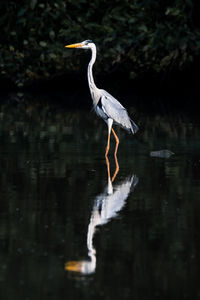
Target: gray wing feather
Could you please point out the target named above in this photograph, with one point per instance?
(115, 110)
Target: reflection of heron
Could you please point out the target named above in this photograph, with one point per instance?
(105, 105)
(106, 206)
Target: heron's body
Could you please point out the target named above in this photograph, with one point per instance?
(108, 107)
(105, 105)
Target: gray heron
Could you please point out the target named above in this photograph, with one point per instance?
(105, 105)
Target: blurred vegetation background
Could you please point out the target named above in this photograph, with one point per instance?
(135, 37)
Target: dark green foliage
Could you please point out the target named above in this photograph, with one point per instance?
(133, 36)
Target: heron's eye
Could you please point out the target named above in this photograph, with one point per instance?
(86, 43)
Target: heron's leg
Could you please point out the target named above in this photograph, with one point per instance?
(116, 168)
(109, 122)
(108, 167)
(109, 187)
(108, 145)
(117, 142)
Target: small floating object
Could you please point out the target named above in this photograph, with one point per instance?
(161, 153)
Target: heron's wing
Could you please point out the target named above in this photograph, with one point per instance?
(112, 100)
(115, 110)
(112, 204)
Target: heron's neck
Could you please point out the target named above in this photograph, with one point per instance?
(91, 83)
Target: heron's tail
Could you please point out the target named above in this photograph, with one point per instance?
(134, 127)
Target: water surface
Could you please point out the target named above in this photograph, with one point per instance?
(138, 236)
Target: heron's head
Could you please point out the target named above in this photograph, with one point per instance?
(84, 45)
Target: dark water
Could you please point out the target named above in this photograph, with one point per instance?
(68, 232)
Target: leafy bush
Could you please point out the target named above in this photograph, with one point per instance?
(134, 36)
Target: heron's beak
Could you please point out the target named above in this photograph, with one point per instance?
(74, 45)
(73, 266)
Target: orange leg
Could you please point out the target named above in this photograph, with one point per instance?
(108, 167)
(117, 141)
(116, 168)
(109, 123)
(108, 145)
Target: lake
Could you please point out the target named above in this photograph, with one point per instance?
(73, 226)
